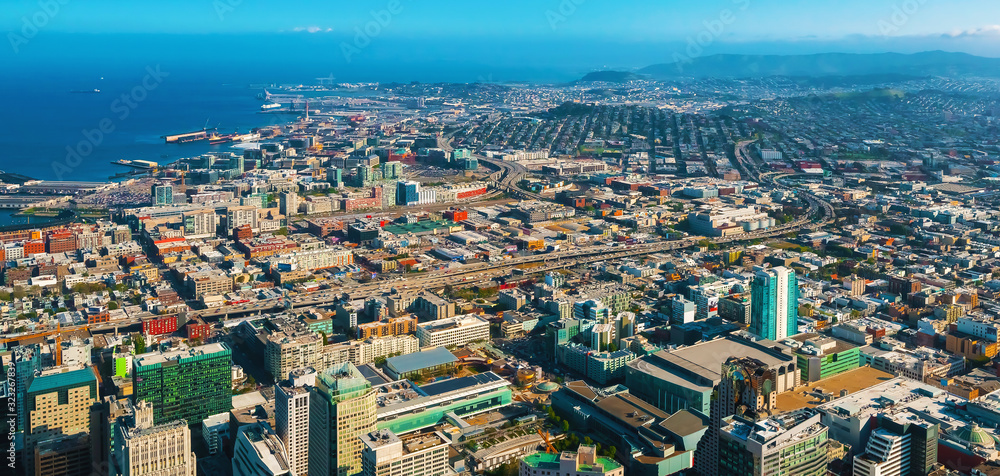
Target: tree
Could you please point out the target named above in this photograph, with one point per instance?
(112, 305)
(612, 451)
(565, 426)
(612, 347)
(283, 231)
(140, 344)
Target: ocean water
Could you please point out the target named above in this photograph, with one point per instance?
(52, 133)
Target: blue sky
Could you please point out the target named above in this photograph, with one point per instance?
(570, 35)
(646, 20)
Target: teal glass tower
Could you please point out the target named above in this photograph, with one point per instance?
(774, 303)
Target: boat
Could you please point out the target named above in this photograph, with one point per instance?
(216, 139)
(85, 91)
(269, 106)
(186, 137)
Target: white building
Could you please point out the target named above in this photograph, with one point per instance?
(140, 446)
(259, 452)
(386, 454)
(458, 330)
(291, 421)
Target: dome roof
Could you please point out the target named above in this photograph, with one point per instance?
(974, 435)
(547, 387)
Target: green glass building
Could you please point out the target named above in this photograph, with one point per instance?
(774, 303)
(188, 384)
(342, 408)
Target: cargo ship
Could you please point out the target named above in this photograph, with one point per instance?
(269, 106)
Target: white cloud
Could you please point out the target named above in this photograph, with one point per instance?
(989, 30)
(312, 29)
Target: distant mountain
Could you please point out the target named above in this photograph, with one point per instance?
(931, 63)
(610, 77)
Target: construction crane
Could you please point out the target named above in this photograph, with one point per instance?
(57, 332)
(547, 438)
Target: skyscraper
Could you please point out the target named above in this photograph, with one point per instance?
(793, 443)
(342, 410)
(26, 359)
(163, 194)
(774, 303)
(187, 384)
(141, 446)
(289, 203)
(60, 405)
(291, 424)
(392, 170)
(902, 444)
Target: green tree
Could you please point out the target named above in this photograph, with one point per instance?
(140, 344)
(283, 231)
(112, 305)
(565, 426)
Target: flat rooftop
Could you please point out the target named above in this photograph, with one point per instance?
(403, 396)
(881, 396)
(853, 381)
(153, 358)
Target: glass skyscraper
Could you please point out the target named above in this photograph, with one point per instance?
(188, 384)
(774, 303)
(342, 409)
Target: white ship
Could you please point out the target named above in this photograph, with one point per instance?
(269, 106)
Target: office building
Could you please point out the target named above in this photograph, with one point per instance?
(200, 222)
(386, 454)
(26, 360)
(774, 303)
(342, 409)
(793, 443)
(458, 330)
(188, 384)
(141, 447)
(902, 445)
(289, 203)
(404, 407)
(162, 194)
(60, 405)
(291, 424)
(407, 193)
(259, 452)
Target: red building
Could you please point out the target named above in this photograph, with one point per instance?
(470, 193)
(198, 330)
(456, 215)
(61, 241)
(160, 326)
(242, 233)
(34, 247)
(98, 317)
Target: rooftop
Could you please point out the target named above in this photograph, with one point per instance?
(403, 364)
(550, 461)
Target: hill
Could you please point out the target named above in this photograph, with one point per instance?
(931, 63)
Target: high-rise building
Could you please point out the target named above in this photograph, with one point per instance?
(774, 303)
(407, 193)
(794, 443)
(59, 407)
(289, 204)
(392, 170)
(903, 444)
(363, 175)
(144, 448)
(342, 409)
(259, 452)
(335, 177)
(291, 424)
(200, 222)
(26, 360)
(187, 384)
(386, 454)
(162, 194)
